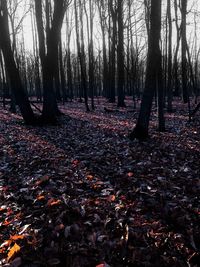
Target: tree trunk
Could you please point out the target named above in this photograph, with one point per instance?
(120, 56)
(102, 15)
(49, 56)
(13, 73)
(91, 56)
(62, 73)
(81, 52)
(183, 52)
(112, 59)
(169, 67)
(175, 66)
(152, 73)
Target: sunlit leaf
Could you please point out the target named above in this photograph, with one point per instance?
(40, 197)
(90, 177)
(13, 251)
(16, 237)
(54, 202)
(111, 198)
(130, 174)
(6, 222)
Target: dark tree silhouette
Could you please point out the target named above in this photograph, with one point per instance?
(184, 47)
(11, 67)
(153, 71)
(48, 51)
(120, 55)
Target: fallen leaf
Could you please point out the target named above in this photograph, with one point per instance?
(42, 180)
(13, 251)
(111, 198)
(130, 174)
(6, 243)
(53, 202)
(24, 228)
(16, 237)
(6, 222)
(90, 177)
(3, 209)
(40, 198)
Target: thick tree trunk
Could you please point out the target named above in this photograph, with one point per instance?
(49, 56)
(152, 73)
(12, 70)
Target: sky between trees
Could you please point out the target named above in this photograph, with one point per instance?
(24, 10)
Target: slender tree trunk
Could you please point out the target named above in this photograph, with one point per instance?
(184, 49)
(69, 74)
(62, 73)
(112, 60)
(36, 57)
(169, 70)
(178, 38)
(3, 81)
(68, 59)
(91, 55)
(102, 11)
(120, 56)
(81, 52)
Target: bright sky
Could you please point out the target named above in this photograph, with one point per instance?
(193, 7)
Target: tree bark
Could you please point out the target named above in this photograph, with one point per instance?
(184, 49)
(112, 59)
(13, 73)
(169, 65)
(49, 56)
(81, 52)
(152, 73)
(120, 56)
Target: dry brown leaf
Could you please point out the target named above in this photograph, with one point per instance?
(42, 180)
(16, 237)
(130, 174)
(90, 177)
(13, 251)
(40, 198)
(111, 198)
(53, 202)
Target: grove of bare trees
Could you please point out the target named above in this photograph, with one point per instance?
(81, 50)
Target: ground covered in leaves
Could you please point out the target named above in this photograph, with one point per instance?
(82, 194)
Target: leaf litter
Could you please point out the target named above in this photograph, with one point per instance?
(81, 194)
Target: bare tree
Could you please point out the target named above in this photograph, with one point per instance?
(184, 50)
(169, 71)
(48, 50)
(120, 55)
(11, 67)
(153, 70)
(81, 48)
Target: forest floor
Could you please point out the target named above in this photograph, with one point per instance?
(82, 194)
